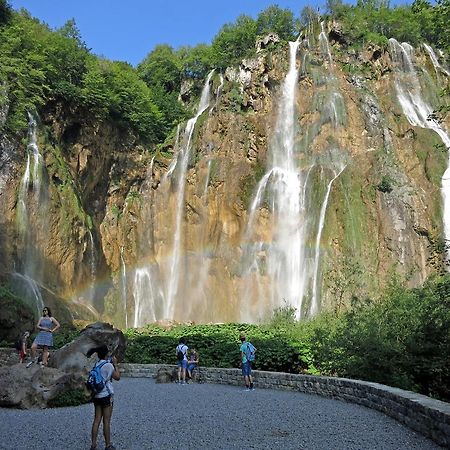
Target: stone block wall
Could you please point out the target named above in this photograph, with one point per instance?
(423, 414)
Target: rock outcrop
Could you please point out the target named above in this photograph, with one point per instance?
(36, 386)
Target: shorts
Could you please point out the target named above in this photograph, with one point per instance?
(191, 367)
(247, 369)
(104, 402)
(182, 364)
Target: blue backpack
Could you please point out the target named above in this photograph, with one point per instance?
(95, 382)
(250, 352)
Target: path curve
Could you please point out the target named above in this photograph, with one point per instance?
(209, 416)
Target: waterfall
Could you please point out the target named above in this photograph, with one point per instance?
(323, 41)
(176, 263)
(29, 290)
(157, 284)
(32, 178)
(31, 211)
(279, 263)
(93, 265)
(143, 288)
(174, 161)
(314, 301)
(437, 67)
(417, 111)
(123, 284)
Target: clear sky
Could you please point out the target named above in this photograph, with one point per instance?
(129, 30)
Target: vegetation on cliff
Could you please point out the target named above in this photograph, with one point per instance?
(42, 68)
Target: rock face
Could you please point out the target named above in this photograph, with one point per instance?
(134, 236)
(32, 387)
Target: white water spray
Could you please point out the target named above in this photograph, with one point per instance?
(418, 113)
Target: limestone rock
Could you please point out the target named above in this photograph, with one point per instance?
(72, 357)
(25, 388)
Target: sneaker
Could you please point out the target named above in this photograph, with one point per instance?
(110, 447)
(29, 364)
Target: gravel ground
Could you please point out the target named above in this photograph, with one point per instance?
(207, 416)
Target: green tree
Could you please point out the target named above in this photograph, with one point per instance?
(234, 42)
(196, 61)
(277, 20)
(162, 66)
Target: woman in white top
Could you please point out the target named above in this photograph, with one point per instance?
(103, 400)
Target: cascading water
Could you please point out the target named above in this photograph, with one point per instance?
(92, 266)
(156, 286)
(437, 67)
(175, 264)
(123, 285)
(31, 207)
(418, 112)
(315, 301)
(279, 263)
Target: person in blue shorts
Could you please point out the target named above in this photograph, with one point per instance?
(193, 362)
(182, 362)
(245, 364)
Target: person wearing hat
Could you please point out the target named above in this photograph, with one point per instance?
(246, 364)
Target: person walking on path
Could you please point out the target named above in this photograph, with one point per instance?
(103, 400)
(181, 352)
(46, 325)
(247, 350)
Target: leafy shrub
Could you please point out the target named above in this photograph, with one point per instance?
(74, 397)
(401, 339)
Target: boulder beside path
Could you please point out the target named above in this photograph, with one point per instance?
(36, 386)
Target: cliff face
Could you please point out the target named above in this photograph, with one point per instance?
(268, 197)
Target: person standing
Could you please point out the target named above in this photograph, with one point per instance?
(181, 352)
(46, 325)
(246, 349)
(103, 400)
(23, 344)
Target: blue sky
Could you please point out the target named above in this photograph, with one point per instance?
(129, 30)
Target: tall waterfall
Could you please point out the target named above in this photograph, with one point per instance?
(157, 286)
(176, 265)
(277, 264)
(418, 112)
(31, 209)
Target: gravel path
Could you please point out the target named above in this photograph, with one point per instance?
(208, 416)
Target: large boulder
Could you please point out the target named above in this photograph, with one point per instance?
(63, 382)
(37, 387)
(73, 356)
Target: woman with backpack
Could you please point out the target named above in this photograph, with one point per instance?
(104, 399)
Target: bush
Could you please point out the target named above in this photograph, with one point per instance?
(73, 397)
(401, 339)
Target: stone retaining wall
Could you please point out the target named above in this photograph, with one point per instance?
(423, 414)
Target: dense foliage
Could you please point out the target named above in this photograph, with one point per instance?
(401, 339)
(41, 68)
(374, 21)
